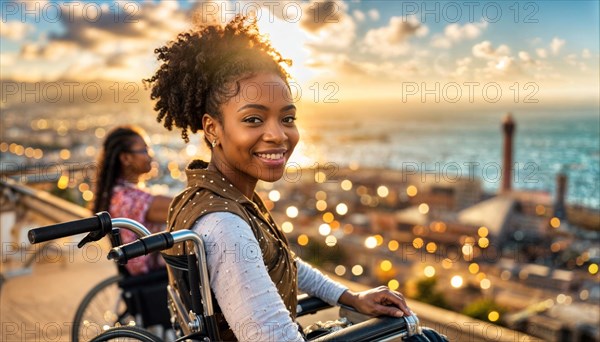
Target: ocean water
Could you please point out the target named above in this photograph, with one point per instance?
(469, 145)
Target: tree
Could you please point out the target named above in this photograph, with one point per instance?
(427, 293)
(481, 308)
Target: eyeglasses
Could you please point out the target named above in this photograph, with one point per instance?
(140, 151)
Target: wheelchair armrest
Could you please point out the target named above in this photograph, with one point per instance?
(379, 328)
(309, 305)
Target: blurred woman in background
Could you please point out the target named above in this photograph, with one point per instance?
(125, 158)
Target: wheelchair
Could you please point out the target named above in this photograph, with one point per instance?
(120, 300)
(190, 301)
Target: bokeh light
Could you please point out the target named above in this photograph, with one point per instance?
(291, 212)
(429, 271)
(371, 242)
(287, 227)
(456, 281)
(302, 240)
(340, 270)
(324, 229)
(346, 185)
(341, 209)
(385, 265)
(393, 245)
(411, 190)
(357, 270)
(274, 195)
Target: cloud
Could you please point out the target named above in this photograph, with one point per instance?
(14, 30)
(542, 53)
(502, 68)
(30, 51)
(359, 15)
(585, 53)
(392, 40)
(373, 14)
(441, 42)
(571, 59)
(525, 57)
(337, 62)
(148, 21)
(499, 63)
(333, 32)
(7, 59)
(556, 45)
(486, 50)
(455, 33)
(103, 43)
(319, 14)
(462, 66)
(346, 68)
(59, 50)
(336, 37)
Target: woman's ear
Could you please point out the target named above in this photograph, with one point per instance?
(209, 126)
(125, 159)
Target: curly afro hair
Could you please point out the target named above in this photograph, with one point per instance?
(202, 69)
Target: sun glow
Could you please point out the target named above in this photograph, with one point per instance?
(288, 38)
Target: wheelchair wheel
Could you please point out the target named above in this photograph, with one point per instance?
(103, 307)
(126, 334)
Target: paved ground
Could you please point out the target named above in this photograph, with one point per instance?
(40, 306)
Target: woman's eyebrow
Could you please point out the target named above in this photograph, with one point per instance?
(265, 108)
(288, 108)
(253, 106)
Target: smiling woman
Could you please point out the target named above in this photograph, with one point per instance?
(229, 82)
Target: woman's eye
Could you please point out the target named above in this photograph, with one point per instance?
(289, 119)
(253, 119)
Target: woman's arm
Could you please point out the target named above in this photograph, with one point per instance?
(315, 283)
(377, 301)
(158, 209)
(239, 279)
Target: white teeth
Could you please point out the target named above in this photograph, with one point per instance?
(272, 156)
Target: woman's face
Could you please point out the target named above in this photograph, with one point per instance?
(258, 134)
(137, 158)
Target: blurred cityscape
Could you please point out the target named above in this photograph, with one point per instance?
(523, 259)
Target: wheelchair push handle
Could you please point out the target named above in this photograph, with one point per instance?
(101, 223)
(146, 245)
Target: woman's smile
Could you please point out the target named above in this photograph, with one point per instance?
(273, 158)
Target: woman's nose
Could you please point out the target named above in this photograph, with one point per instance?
(275, 132)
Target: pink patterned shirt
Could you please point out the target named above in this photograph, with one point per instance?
(131, 202)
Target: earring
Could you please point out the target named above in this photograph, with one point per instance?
(214, 143)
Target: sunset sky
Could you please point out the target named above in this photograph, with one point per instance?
(532, 50)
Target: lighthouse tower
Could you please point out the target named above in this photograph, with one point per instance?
(508, 128)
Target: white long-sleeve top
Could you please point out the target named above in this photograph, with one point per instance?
(239, 279)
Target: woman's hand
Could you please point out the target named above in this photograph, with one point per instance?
(376, 302)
